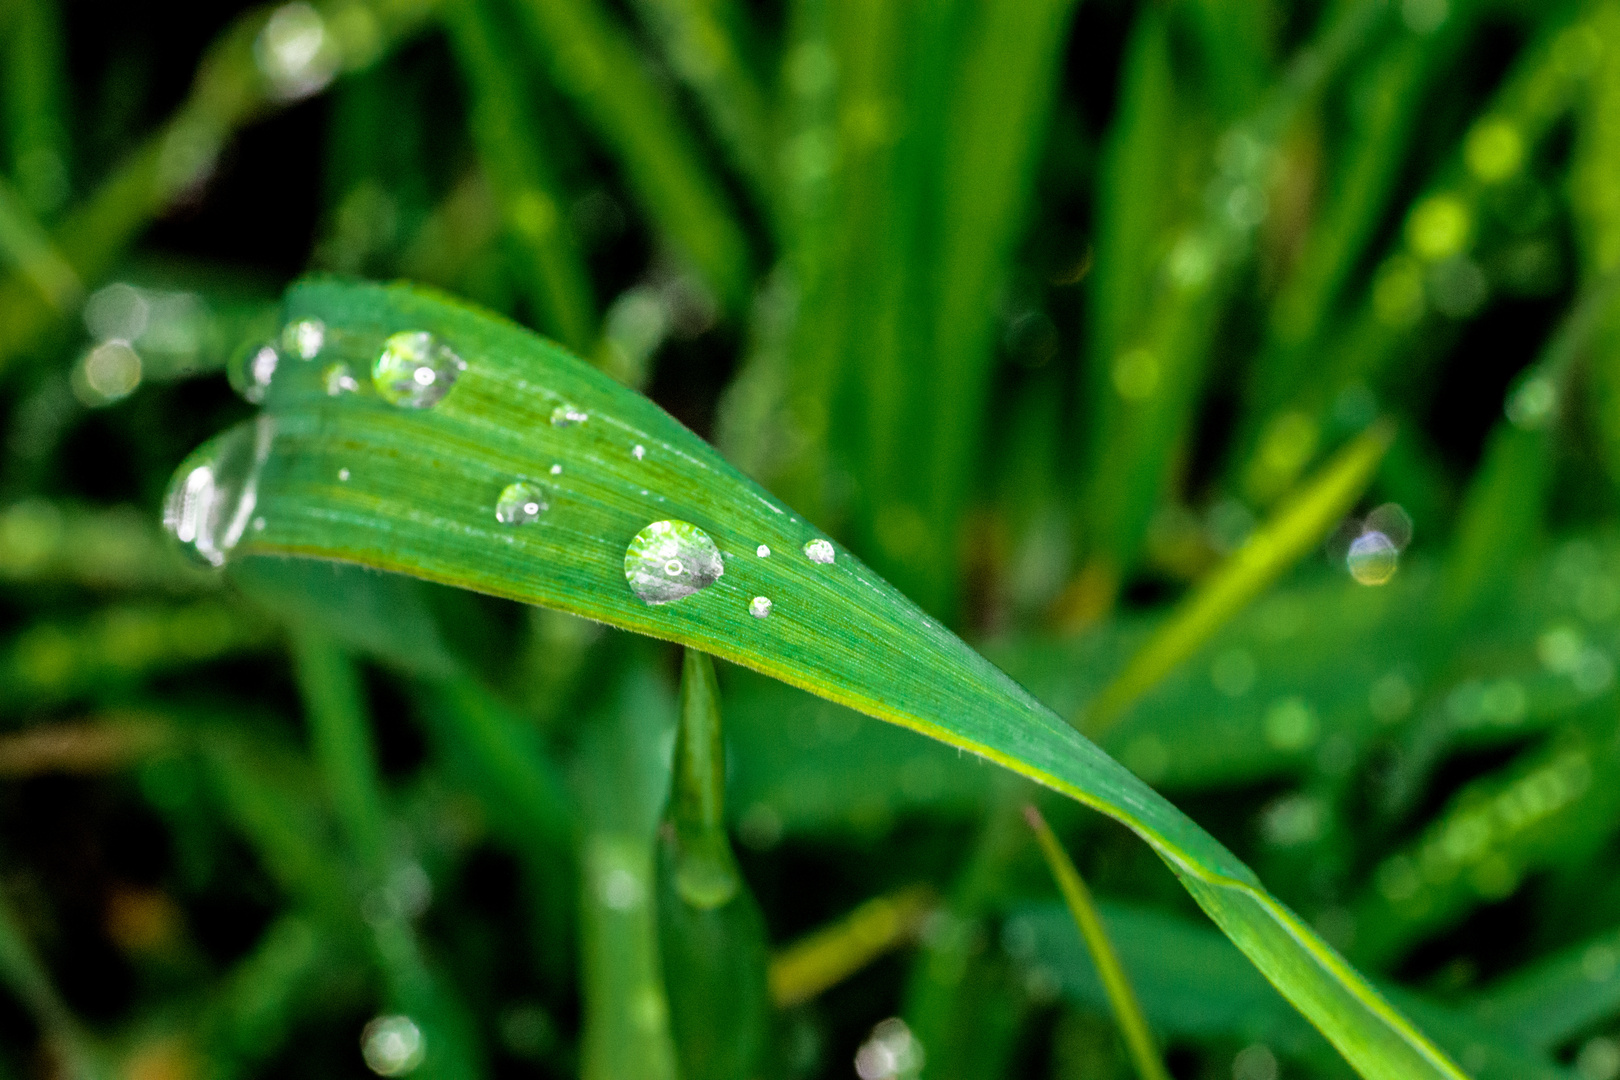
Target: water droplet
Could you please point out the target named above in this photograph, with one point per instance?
(251, 369)
(639, 452)
(521, 504)
(759, 607)
(1373, 558)
(556, 470)
(392, 1045)
(211, 498)
(670, 560)
(343, 475)
(819, 551)
(762, 551)
(568, 416)
(415, 370)
(338, 379)
(303, 338)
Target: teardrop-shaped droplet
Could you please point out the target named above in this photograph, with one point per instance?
(568, 416)
(251, 368)
(304, 338)
(1373, 558)
(819, 551)
(415, 370)
(211, 498)
(521, 504)
(759, 607)
(670, 560)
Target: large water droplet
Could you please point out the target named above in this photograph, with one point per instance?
(819, 551)
(211, 498)
(1373, 558)
(759, 607)
(521, 504)
(415, 370)
(670, 560)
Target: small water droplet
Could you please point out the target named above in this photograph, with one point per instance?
(556, 470)
(251, 369)
(762, 551)
(521, 504)
(338, 379)
(819, 551)
(1373, 558)
(258, 524)
(211, 498)
(759, 607)
(304, 338)
(415, 370)
(343, 475)
(639, 452)
(670, 560)
(568, 416)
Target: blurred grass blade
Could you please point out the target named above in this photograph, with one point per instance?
(27, 247)
(826, 957)
(26, 977)
(1550, 1001)
(415, 490)
(596, 63)
(550, 266)
(711, 931)
(110, 742)
(1127, 1010)
(1295, 528)
(34, 94)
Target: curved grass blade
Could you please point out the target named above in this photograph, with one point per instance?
(415, 490)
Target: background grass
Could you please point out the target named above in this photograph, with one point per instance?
(1058, 314)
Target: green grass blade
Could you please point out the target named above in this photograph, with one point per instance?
(823, 958)
(595, 62)
(34, 93)
(414, 490)
(1550, 1001)
(24, 975)
(1121, 998)
(25, 245)
(532, 204)
(1291, 532)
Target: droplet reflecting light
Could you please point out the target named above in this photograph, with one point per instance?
(415, 370)
(392, 1045)
(521, 504)
(211, 498)
(819, 551)
(568, 416)
(759, 607)
(1373, 558)
(671, 560)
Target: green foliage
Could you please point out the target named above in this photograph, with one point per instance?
(1241, 379)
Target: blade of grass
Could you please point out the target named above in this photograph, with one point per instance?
(24, 975)
(1272, 549)
(711, 931)
(417, 496)
(1551, 1000)
(34, 93)
(27, 247)
(804, 969)
(595, 63)
(556, 283)
(1121, 998)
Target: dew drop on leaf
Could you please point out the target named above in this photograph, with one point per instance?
(819, 551)
(568, 416)
(415, 370)
(338, 379)
(211, 498)
(639, 452)
(763, 551)
(1373, 558)
(303, 338)
(251, 369)
(759, 607)
(671, 560)
(521, 504)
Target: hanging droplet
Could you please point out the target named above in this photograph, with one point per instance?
(338, 379)
(210, 500)
(568, 416)
(819, 551)
(762, 551)
(251, 369)
(1373, 558)
(759, 607)
(303, 338)
(521, 504)
(415, 370)
(670, 560)
(639, 452)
